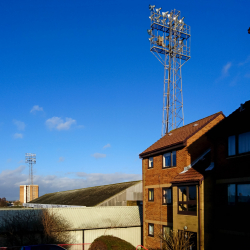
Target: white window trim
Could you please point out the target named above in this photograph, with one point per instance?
(151, 159)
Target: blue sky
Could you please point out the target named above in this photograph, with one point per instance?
(80, 88)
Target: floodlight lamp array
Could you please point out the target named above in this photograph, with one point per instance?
(30, 158)
(168, 33)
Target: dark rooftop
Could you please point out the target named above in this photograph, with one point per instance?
(88, 197)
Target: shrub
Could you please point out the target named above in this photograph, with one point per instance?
(107, 242)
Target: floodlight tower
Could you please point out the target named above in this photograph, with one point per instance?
(30, 159)
(170, 44)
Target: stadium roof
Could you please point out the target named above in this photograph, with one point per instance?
(89, 197)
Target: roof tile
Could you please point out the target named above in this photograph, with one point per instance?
(179, 135)
(189, 176)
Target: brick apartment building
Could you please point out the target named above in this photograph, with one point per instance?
(171, 201)
(28, 193)
(230, 196)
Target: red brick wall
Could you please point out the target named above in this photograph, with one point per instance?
(155, 212)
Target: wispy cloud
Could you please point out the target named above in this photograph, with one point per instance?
(59, 124)
(36, 108)
(10, 180)
(245, 62)
(224, 71)
(61, 159)
(107, 146)
(18, 136)
(98, 155)
(20, 125)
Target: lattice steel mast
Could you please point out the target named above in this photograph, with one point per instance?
(30, 159)
(170, 44)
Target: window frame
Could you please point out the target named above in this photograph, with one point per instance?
(170, 228)
(236, 202)
(171, 159)
(151, 190)
(151, 224)
(166, 188)
(188, 202)
(236, 145)
(150, 161)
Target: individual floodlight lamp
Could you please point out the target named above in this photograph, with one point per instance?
(151, 7)
(158, 10)
(164, 13)
(149, 32)
(181, 20)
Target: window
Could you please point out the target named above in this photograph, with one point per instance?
(151, 194)
(150, 162)
(169, 159)
(238, 194)
(244, 143)
(187, 202)
(239, 144)
(231, 145)
(166, 196)
(165, 231)
(151, 229)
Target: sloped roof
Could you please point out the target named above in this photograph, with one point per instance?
(180, 135)
(190, 176)
(88, 197)
(236, 121)
(196, 172)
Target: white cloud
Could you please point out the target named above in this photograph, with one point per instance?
(20, 125)
(10, 180)
(225, 69)
(18, 136)
(61, 159)
(98, 155)
(107, 146)
(59, 124)
(36, 108)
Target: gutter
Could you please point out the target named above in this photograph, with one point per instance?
(161, 150)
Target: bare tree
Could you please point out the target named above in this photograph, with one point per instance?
(20, 227)
(55, 228)
(3, 202)
(176, 240)
(33, 226)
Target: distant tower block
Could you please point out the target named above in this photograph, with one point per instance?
(170, 44)
(30, 159)
(28, 193)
